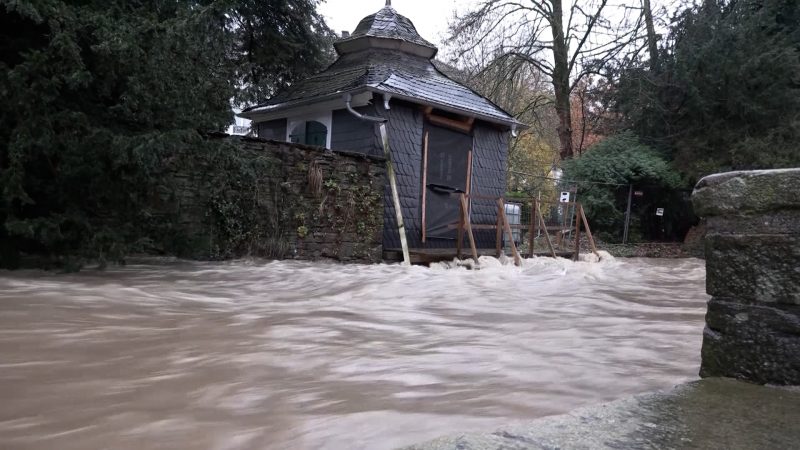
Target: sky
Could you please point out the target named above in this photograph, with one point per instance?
(429, 16)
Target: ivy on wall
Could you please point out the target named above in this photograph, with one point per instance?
(251, 198)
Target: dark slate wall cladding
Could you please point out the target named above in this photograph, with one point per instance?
(353, 134)
(489, 157)
(405, 139)
(490, 150)
(274, 130)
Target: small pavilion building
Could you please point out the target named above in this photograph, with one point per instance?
(444, 137)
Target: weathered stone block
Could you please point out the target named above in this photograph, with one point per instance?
(774, 222)
(753, 272)
(755, 268)
(739, 193)
(756, 342)
(346, 250)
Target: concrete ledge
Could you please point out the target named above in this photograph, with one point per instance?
(710, 414)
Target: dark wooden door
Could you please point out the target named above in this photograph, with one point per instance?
(446, 175)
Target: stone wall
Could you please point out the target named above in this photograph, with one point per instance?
(254, 197)
(753, 274)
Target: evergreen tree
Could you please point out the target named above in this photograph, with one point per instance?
(605, 173)
(276, 42)
(95, 96)
(726, 94)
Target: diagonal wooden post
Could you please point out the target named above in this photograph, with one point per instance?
(398, 211)
(499, 236)
(466, 220)
(544, 228)
(577, 237)
(532, 229)
(460, 234)
(507, 228)
(588, 231)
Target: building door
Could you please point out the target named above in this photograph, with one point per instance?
(446, 171)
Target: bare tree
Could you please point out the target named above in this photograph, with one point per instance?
(524, 93)
(565, 45)
(652, 38)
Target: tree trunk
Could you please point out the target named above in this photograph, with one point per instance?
(652, 44)
(561, 80)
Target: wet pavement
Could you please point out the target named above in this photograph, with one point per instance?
(715, 413)
(273, 355)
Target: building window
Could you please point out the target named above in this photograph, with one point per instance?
(310, 133)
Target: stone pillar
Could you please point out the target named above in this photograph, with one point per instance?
(753, 275)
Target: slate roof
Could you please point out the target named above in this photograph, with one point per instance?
(403, 75)
(388, 24)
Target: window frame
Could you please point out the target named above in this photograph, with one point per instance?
(323, 117)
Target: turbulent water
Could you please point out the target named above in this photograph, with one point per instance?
(307, 355)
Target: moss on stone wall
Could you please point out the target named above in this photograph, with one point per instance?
(250, 197)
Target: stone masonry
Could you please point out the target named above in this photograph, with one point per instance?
(290, 201)
(753, 275)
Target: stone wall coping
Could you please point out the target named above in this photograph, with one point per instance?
(747, 192)
(350, 153)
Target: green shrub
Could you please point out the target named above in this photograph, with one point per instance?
(620, 161)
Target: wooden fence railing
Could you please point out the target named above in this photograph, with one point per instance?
(537, 223)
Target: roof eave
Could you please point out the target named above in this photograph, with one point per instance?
(278, 111)
(360, 43)
(511, 122)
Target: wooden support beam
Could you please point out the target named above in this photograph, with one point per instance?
(469, 172)
(588, 231)
(532, 229)
(424, 184)
(507, 228)
(466, 220)
(544, 228)
(477, 226)
(463, 126)
(398, 210)
(460, 234)
(577, 237)
(561, 239)
(499, 228)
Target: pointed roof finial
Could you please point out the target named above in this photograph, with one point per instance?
(388, 2)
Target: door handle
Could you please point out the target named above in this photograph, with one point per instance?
(442, 189)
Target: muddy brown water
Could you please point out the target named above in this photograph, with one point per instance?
(274, 355)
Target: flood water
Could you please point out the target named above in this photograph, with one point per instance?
(295, 355)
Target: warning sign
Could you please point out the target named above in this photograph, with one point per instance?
(660, 211)
(564, 197)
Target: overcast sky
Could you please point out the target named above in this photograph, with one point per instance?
(429, 16)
